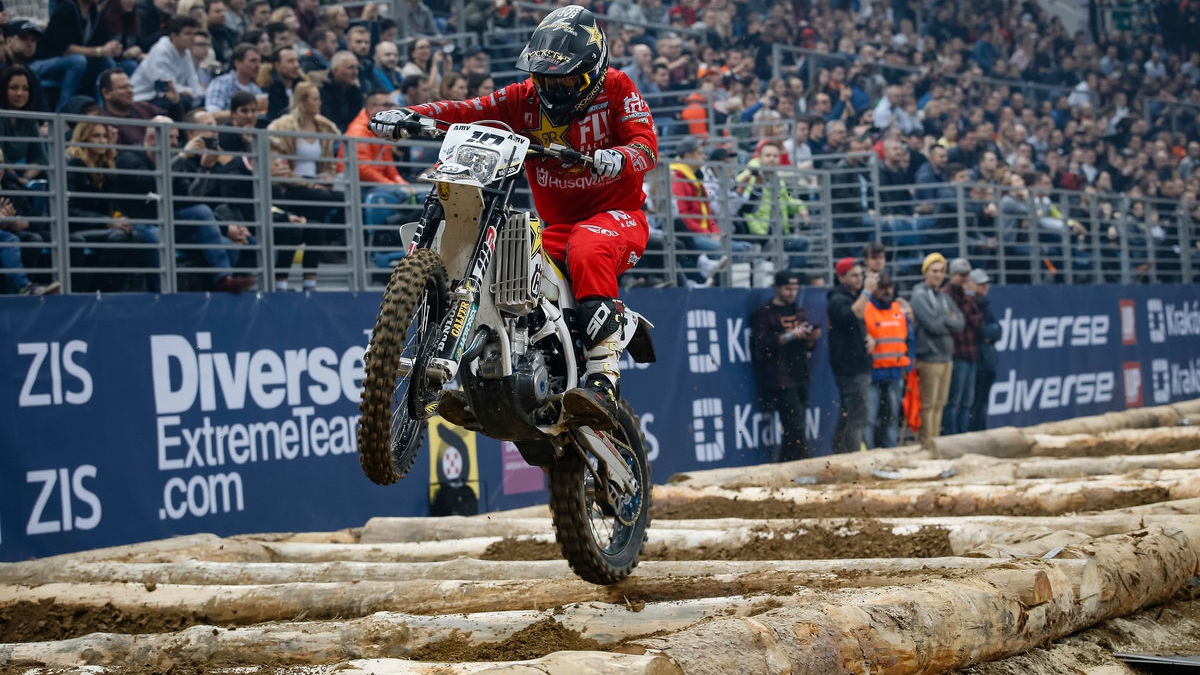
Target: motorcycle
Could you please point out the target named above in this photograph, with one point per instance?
(476, 300)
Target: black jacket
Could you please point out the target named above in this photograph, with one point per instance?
(779, 366)
(341, 103)
(989, 335)
(848, 353)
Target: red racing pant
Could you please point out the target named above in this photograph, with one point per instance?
(598, 249)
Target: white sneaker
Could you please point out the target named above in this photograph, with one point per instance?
(710, 267)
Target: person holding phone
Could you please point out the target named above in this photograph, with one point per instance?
(782, 339)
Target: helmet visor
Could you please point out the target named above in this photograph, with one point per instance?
(561, 89)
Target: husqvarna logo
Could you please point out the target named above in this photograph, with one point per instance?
(1160, 380)
(708, 429)
(1156, 320)
(704, 347)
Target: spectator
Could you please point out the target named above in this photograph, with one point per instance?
(454, 87)
(243, 76)
(641, 71)
(11, 228)
(119, 23)
(94, 216)
(116, 92)
(480, 85)
(384, 190)
(308, 16)
(279, 81)
(260, 39)
(16, 93)
(341, 98)
(323, 46)
(961, 290)
(195, 221)
(387, 74)
(763, 190)
(235, 17)
(422, 60)
(358, 43)
(850, 351)
(335, 18)
(416, 19)
(216, 19)
(475, 62)
(782, 338)
(169, 64)
(694, 212)
(886, 320)
(20, 46)
(312, 167)
(153, 17)
(935, 316)
(205, 61)
(63, 56)
(258, 15)
(989, 334)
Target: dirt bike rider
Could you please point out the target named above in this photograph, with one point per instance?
(592, 219)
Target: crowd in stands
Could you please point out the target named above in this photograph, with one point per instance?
(998, 96)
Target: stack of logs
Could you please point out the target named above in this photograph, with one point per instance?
(363, 601)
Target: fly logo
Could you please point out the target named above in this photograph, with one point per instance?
(1168, 320)
(1128, 323)
(1132, 371)
(1160, 380)
(708, 429)
(704, 347)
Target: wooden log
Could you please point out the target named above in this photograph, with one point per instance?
(1078, 467)
(821, 470)
(1161, 440)
(559, 663)
(1004, 442)
(941, 626)
(397, 530)
(1022, 496)
(394, 635)
(202, 573)
(1137, 418)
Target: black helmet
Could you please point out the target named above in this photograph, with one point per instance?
(568, 43)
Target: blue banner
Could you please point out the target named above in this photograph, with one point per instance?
(129, 418)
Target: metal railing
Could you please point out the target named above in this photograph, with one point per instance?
(349, 234)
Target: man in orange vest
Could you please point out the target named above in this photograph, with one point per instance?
(887, 328)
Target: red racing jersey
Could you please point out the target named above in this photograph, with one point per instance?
(566, 193)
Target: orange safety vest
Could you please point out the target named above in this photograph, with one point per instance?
(889, 327)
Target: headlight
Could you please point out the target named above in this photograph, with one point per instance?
(481, 163)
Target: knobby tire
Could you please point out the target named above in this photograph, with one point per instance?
(596, 556)
(418, 282)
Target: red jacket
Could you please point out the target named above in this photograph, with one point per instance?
(568, 193)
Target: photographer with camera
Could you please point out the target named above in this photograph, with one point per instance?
(782, 339)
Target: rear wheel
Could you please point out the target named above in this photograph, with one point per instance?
(601, 535)
(396, 394)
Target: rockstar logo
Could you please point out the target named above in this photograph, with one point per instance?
(595, 36)
(547, 134)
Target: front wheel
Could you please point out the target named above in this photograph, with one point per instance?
(396, 393)
(602, 537)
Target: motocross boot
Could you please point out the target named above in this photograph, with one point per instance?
(605, 335)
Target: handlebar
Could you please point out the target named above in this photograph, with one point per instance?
(414, 127)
